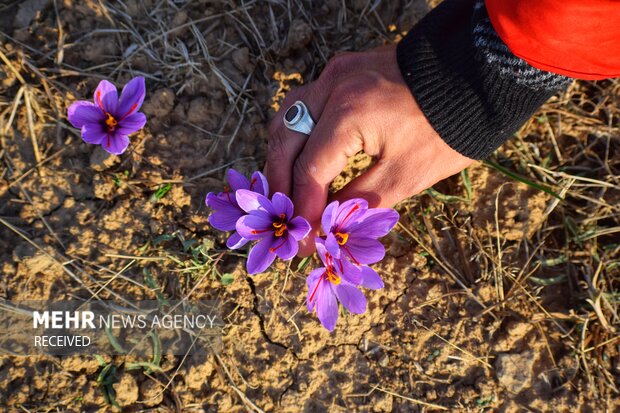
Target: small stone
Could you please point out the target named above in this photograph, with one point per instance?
(514, 371)
(384, 361)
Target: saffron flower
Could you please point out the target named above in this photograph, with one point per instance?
(352, 230)
(336, 281)
(226, 210)
(272, 224)
(109, 120)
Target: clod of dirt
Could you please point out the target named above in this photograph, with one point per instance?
(241, 59)
(151, 393)
(397, 245)
(80, 364)
(160, 104)
(514, 371)
(99, 50)
(28, 11)
(198, 112)
(103, 188)
(198, 375)
(179, 19)
(514, 338)
(520, 208)
(100, 160)
(299, 35)
(126, 390)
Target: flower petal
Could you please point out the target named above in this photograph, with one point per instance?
(249, 201)
(254, 227)
(351, 297)
(132, 123)
(237, 180)
(328, 217)
(132, 97)
(321, 250)
(349, 272)
(83, 112)
(225, 218)
(282, 204)
(326, 305)
(106, 97)
(370, 279)
(218, 201)
(375, 223)
(348, 212)
(94, 133)
(117, 144)
(260, 258)
(236, 241)
(299, 228)
(364, 250)
(259, 183)
(332, 246)
(288, 249)
(311, 281)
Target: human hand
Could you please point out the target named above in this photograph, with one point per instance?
(359, 102)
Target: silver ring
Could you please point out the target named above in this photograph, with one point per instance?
(297, 118)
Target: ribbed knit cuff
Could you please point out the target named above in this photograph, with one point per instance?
(472, 100)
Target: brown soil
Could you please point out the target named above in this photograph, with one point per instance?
(502, 343)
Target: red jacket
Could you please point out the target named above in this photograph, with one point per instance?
(576, 38)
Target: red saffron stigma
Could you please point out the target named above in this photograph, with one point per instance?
(227, 192)
(98, 97)
(109, 139)
(355, 208)
(350, 255)
(328, 259)
(131, 109)
(275, 248)
(252, 183)
(316, 287)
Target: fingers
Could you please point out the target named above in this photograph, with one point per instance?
(381, 186)
(324, 156)
(285, 144)
(405, 171)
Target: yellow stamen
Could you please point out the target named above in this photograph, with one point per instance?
(280, 230)
(280, 226)
(341, 238)
(110, 121)
(333, 278)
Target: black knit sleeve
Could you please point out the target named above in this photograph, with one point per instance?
(471, 88)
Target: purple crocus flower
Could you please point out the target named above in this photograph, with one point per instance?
(226, 210)
(273, 225)
(352, 230)
(336, 281)
(109, 120)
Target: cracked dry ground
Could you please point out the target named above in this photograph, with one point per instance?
(424, 339)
